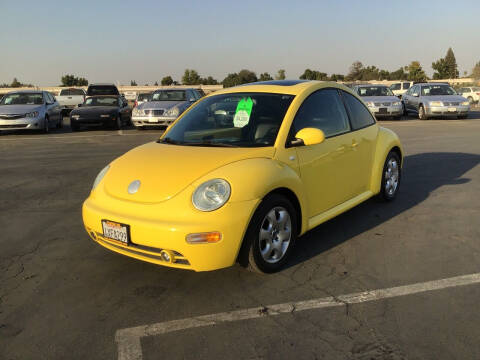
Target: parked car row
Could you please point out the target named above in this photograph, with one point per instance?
(426, 100)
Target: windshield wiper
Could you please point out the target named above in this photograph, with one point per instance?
(168, 140)
(209, 143)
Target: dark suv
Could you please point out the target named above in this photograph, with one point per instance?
(102, 89)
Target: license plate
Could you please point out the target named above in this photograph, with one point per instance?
(116, 231)
(382, 110)
(153, 120)
(452, 109)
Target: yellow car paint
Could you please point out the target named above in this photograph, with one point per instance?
(161, 214)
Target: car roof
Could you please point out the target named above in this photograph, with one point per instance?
(26, 91)
(432, 83)
(175, 88)
(369, 85)
(102, 84)
(292, 87)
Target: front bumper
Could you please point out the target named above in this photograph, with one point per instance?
(152, 120)
(447, 110)
(22, 124)
(386, 111)
(164, 226)
(97, 121)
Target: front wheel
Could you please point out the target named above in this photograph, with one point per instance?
(391, 176)
(271, 235)
(118, 123)
(421, 113)
(470, 100)
(46, 125)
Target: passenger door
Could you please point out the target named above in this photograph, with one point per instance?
(415, 100)
(363, 140)
(325, 168)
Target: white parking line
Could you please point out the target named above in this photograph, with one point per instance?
(128, 340)
(74, 136)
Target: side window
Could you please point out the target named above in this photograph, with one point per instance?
(360, 116)
(51, 97)
(414, 90)
(322, 110)
(395, 86)
(406, 85)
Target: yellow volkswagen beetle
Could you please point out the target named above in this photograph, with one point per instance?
(241, 174)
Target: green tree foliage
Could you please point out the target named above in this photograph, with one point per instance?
(231, 80)
(415, 72)
(133, 83)
(446, 68)
(71, 80)
(191, 77)
(399, 74)
(208, 81)
(313, 75)
(337, 77)
(280, 75)
(167, 81)
(243, 77)
(476, 71)
(156, 83)
(355, 71)
(15, 83)
(265, 77)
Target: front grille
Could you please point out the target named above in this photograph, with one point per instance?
(446, 103)
(382, 104)
(154, 112)
(13, 126)
(12, 117)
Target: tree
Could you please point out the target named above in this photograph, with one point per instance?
(156, 83)
(265, 77)
(167, 81)
(337, 77)
(191, 77)
(415, 72)
(355, 71)
(231, 80)
(446, 68)
(133, 83)
(247, 76)
(15, 83)
(71, 80)
(280, 75)
(313, 75)
(208, 81)
(476, 71)
(399, 74)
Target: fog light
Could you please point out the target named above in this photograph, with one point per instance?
(93, 235)
(203, 238)
(167, 256)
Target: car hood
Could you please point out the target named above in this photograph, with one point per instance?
(456, 98)
(149, 105)
(380, 98)
(165, 170)
(19, 109)
(94, 110)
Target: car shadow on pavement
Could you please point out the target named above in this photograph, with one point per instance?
(422, 174)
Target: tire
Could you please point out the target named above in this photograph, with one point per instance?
(270, 236)
(60, 121)
(470, 100)
(118, 123)
(397, 117)
(391, 177)
(405, 112)
(74, 126)
(421, 113)
(46, 125)
(462, 116)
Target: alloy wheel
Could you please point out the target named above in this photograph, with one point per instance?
(275, 234)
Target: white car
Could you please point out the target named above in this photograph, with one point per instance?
(471, 93)
(70, 98)
(400, 88)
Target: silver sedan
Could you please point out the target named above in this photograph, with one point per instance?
(29, 109)
(435, 99)
(380, 100)
(164, 107)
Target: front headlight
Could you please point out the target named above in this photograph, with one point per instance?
(211, 195)
(137, 112)
(32, 114)
(465, 103)
(105, 115)
(436, 103)
(370, 104)
(173, 112)
(100, 176)
(75, 117)
(396, 103)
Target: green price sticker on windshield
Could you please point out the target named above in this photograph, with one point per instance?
(242, 114)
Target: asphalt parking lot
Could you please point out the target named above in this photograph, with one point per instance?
(64, 297)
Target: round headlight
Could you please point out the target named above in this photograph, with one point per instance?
(175, 111)
(100, 176)
(211, 195)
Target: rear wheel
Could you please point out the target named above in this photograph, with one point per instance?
(46, 125)
(118, 122)
(391, 176)
(60, 121)
(271, 235)
(470, 100)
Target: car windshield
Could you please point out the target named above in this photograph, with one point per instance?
(432, 90)
(22, 99)
(144, 97)
(101, 101)
(374, 91)
(71, 92)
(102, 90)
(476, 89)
(231, 120)
(169, 95)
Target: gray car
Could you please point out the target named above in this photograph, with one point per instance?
(29, 109)
(435, 99)
(164, 107)
(380, 100)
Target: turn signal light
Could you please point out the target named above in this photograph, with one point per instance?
(204, 238)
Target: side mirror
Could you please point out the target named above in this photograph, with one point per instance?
(79, 105)
(415, 94)
(308, 136)
(192, 99)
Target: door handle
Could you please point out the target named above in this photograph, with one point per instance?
(354, 144)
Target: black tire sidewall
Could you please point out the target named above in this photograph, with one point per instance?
(251, 240)
(383, 193)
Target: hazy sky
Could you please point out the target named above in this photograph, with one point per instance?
(118, 41)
